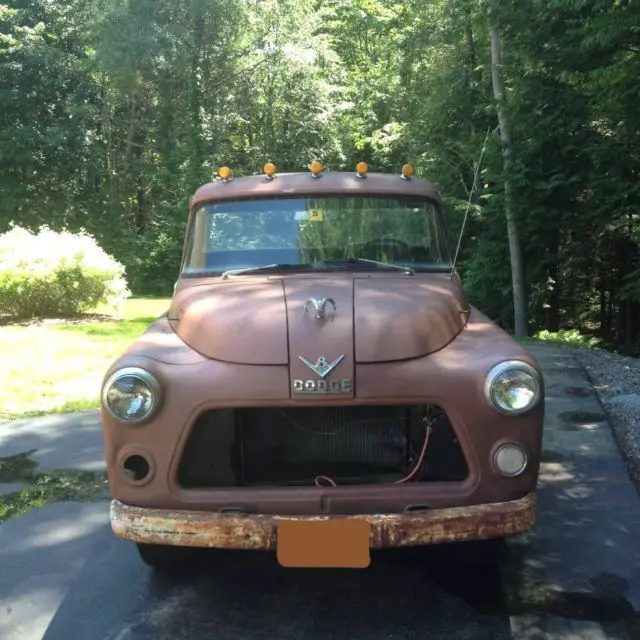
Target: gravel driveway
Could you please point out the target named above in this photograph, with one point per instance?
(616, 380)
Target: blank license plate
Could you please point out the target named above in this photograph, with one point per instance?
(324, 543)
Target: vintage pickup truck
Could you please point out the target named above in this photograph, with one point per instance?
(320, 385)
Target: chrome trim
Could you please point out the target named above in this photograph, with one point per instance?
(142, 375)
(506, 366)
(322, 387)
(510, 445)
(321, 366)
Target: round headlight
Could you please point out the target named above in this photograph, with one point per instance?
(131, 395)
(513, 387)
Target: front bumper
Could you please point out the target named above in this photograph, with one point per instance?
(259, 532)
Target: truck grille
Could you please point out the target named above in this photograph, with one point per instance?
(294, 445)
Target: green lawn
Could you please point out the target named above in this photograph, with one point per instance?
(55, 368)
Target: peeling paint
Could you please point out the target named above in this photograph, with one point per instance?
(253, 532)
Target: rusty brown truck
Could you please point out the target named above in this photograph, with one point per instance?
(320, 385)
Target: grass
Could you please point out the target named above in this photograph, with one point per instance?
(58, 367)
(39, 489)
(563, 338)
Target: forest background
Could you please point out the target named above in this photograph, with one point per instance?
(112, 112)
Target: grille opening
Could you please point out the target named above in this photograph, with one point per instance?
(292, 446)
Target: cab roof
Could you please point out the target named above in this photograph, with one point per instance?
(303, 183)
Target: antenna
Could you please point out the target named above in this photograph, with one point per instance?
(466, 213)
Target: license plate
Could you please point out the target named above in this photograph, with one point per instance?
(340, 543)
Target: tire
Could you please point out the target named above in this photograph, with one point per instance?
(481, 552)
(165, 558)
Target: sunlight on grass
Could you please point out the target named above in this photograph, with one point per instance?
(563, 338)
(56, 368)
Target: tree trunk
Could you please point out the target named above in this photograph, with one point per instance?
(517, 268)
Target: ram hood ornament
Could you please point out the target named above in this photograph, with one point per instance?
(320, 306)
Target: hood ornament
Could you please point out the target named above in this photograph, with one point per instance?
(320, 305)
(321, 366)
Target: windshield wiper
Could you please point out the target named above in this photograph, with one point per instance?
(330, 264)
(267, 267)
(386, 265)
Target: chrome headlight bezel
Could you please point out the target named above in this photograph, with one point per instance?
(144, 376)
(510, 365)
(511, 445)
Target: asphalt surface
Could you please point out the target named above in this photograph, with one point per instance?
(63, 575)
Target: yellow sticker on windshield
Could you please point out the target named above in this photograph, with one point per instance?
(315, 215)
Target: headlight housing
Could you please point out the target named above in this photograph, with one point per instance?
(513, 387)
(131, 395)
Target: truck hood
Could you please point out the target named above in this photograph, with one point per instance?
(271, 321)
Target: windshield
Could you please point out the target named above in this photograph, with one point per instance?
(292, 231)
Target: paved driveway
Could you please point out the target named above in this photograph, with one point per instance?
(63, 575)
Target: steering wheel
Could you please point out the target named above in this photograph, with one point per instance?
(380, 244)
(395, 241)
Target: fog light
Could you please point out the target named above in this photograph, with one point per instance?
(510, 460)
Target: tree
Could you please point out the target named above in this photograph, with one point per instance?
(517, 267)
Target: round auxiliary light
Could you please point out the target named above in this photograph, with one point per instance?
(131, 395)
(513, 387)
(225, 173)
(510, 460)
(362, 168)
(269, 169)
(316, 167)
(407, 171)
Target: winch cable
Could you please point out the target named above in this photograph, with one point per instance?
(408, 477)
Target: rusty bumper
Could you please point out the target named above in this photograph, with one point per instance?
(254, 532)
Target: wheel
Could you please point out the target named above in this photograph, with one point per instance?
(164, 557)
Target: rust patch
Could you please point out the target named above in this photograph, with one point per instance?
(259, 532)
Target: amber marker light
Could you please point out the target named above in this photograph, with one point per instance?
(269, 170)
(316, 168)
(407, 171)
(225, 173)
(361, 169)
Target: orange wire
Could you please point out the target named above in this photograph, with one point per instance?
(407, 477)
(420, 459)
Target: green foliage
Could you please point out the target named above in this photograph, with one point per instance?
(57, 366)
(569, 337)
(112, 113)
(630, 289)
(49, 274)
(39, 489)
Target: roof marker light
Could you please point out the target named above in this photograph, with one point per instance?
(361, 169)
(407, 171)
(270, 170)
(316, 168)
(225, 173)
